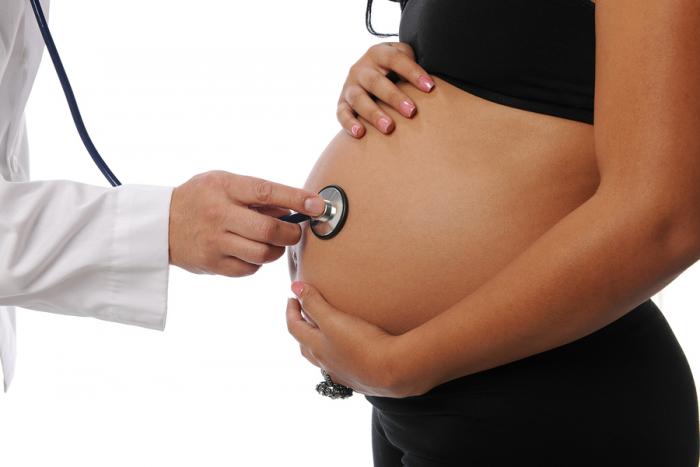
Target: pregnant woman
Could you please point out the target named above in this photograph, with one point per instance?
(490, 290)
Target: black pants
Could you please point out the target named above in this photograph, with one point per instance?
(622, 396)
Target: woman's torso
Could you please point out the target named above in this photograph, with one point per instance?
(442, 204)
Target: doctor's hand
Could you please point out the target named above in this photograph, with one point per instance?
(368, 79)
(222, 223)
(353, 352)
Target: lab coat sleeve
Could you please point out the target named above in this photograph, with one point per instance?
(82, 250)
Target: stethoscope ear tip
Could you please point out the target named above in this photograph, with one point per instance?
(332, 221)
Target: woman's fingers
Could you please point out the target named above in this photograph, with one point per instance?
(298, 327)
(404, 48)
(307, 354)
(313, 304)
(302, 331)
(396, 58)
(346, 117)
(383, 89)
(368, 80)
(364, 106)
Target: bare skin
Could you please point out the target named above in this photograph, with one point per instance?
(445, 201)
(223, 223)
(636, 233)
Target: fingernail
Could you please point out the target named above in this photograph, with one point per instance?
(297, 288)
(407, 108)
(356, 130)
(384, 124)
(426, 83)
(314, 205)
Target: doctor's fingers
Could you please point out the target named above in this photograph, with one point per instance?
(233, 267)
(258, 192)
(250, 251)
(271, 211)
(261, 228)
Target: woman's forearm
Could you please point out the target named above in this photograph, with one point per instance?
(600, 261)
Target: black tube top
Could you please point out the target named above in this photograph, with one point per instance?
(534, 55)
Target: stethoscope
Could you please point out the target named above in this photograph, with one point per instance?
(325, 226)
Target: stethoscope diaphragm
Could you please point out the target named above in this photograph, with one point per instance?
(332, 220)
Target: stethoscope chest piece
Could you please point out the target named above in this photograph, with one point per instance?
(331, 222)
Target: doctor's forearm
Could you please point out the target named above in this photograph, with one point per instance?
(76, 249)
(589, 269)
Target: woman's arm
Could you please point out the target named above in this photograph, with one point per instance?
(631, 238)
(635, 235)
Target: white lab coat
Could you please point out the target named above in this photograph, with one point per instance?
(67, 247)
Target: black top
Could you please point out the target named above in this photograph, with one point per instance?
(531, 54)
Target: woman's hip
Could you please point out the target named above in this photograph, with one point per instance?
(625, 390)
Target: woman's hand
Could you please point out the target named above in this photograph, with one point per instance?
(354, 352)
(368, 77)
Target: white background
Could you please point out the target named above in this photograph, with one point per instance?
(170, 89)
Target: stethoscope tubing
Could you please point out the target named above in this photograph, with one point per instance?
(70, 96)
(295, 218)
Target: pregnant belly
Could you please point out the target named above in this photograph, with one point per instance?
(442, 204)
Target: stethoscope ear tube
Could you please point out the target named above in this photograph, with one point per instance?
(70, 96)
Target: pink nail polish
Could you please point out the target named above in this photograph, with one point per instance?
(384, 124)
(297, 288)
(426, 83)
(356, 130)
(407, 108)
